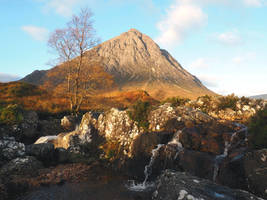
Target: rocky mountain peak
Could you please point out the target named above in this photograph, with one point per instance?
(136, 62)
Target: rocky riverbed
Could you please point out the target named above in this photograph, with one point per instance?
(183, 153)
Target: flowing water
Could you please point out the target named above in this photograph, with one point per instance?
(220, 158)
(133, 186)
(145, 185)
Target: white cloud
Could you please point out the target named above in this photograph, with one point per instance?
(61, 7)
(200, 63)
(254, 3)
(229, 38)
(242, 59)
(8, 77)
(37, 33)
(182, 18)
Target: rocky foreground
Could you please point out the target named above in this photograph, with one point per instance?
(207, 157)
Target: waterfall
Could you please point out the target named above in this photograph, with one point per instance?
(148, 171)
(220, 158)
(148, 168)
(176, 142)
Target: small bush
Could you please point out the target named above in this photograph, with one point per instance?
(207, 103)
(258, 129)
(228, 102)
(245, 100)
(11, 114)
(139, 113)
(176, 101)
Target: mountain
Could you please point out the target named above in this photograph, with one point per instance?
(136, 62)
(261, 96)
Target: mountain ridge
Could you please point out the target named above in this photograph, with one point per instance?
(260, 96)
(137, 62)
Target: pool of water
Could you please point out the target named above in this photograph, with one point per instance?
(115, 189)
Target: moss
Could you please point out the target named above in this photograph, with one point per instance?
(139, 113)
(258, 129)
(11, 114)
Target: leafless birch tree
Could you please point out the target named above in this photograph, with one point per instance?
(71, 44)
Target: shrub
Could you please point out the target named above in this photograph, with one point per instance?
(207, 103)
(176, 101)
(139, 113)
(228, 102)
(112, 150)
(11, 114)
(258, 129)
(245, 100)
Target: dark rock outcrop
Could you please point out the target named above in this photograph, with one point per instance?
(255, 166)
(10, 149)
(177, 185)
(21, 166)
(44, 152)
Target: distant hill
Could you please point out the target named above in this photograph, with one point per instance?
(135, 62)
(261, 96)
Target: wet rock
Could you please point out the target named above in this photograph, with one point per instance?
(197, 163)
(200, 132)
(231, 171)
(21, 166)
(178, 185)
(255, 166)
(10, 149)
(62, 155)
(44, 152)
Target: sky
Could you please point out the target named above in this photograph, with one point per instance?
(222, 42)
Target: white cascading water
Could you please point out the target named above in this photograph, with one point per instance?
(143, 186)
(148, 170)
(220, 158)
(176, 142)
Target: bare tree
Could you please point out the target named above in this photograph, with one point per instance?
(71, 44)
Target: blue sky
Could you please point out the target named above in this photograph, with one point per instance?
(223, 42)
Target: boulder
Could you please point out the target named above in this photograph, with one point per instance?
(44, 152)
(69, 122)
(173, 185)
(10, 149)
(117, 127)
(255, 166)
(21, 166)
